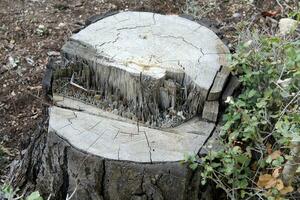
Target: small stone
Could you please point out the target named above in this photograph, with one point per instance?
(13, 63)
(53, 53)
(61, 25)
(237, 15)
(287, 25)
(17, 28)
(29, 61)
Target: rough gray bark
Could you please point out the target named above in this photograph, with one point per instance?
(211, 111)
(54, 167)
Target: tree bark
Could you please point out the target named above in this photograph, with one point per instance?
(120, 125)
(54, 167)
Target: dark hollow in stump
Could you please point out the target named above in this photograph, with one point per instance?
(127, 101)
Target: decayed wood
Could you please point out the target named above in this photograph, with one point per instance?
(109, 136)
(218, 85)
(144, 65)
(211, 111)
(125, 111)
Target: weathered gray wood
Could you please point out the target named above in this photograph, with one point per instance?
(147, 65)
(110, 136)
(218, 84)
(233, 84)
(125, 111)
(211, 111)
(214, 143)
(55, 167)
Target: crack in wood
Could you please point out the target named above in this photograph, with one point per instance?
(181, 38)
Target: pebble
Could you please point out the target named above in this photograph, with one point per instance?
(237, 15)
(286, 25)
(53, 53)
(61, 25)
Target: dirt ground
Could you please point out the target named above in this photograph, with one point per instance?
(31, 30)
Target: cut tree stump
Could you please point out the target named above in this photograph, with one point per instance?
(128, 95)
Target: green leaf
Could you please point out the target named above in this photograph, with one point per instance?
(242, 159)
(34, 196)
(252, 93)
(261, 104)
(194, 166)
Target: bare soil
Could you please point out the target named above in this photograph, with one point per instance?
(31, 30)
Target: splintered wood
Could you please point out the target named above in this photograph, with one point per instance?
(151, 67)
(134, 86)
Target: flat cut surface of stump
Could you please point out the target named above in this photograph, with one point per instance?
(154, 44)
(109, 136)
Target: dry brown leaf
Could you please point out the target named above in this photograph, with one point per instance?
(269, 13)
(275, 154)
(286, 190)
(279, 185)
(264, 179)
(276, 173)
(271, 183)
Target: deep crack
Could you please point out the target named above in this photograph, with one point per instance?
(150, 154)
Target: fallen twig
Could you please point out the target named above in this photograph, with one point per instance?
(76, 85)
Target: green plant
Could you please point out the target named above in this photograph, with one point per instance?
(34, 196)
(9, 193)
(259, 125)
(198, 10)
(42, 30)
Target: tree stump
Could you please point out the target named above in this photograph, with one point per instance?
(127, 101)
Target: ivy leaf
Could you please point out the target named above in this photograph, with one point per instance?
(34, 196)
(261, 104)
(252, 93)
(193, 166)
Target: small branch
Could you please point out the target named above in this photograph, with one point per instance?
(49, 197)
(282, 113)
(76, 85)
(70, 197)
(281, 6)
